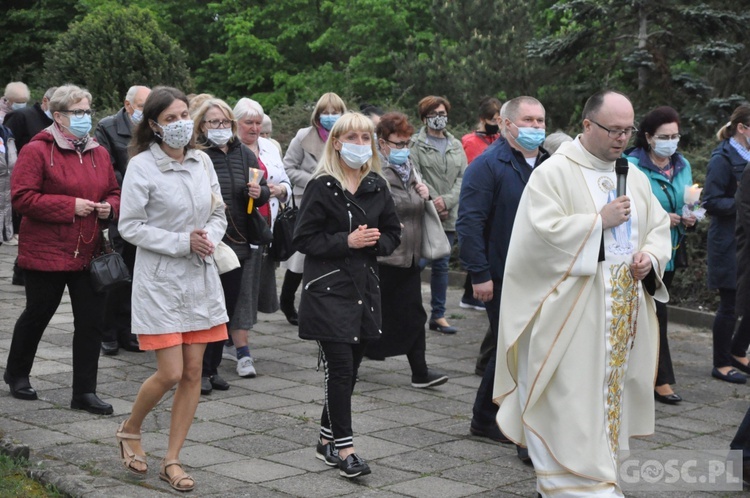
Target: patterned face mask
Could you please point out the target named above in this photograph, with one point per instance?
(437, 122)
(177, 134)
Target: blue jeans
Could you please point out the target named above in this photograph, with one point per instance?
(439, 281)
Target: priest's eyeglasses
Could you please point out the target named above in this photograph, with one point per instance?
(615, 134)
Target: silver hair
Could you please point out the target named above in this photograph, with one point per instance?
(246, 107)
(67, 95)
(50, 92)
(267, 124)
(16, 90)
(131, 93)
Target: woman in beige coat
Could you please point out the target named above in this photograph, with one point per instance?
(301, 159)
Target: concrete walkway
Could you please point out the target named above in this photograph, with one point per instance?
(258, 438)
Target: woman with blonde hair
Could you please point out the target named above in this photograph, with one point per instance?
(241, 178)
(300, 161)
(346, 220)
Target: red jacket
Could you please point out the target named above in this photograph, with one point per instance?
(474, 144)
(48, 177)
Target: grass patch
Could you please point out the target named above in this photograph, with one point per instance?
(15, 482)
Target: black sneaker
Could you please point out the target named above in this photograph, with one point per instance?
(328, 453)
(432, 379)
(353, 466)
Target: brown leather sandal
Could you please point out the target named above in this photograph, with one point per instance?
(127, 454)
(176, 481)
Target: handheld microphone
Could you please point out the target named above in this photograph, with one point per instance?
(621, 170)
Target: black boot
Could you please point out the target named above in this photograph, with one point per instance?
(286, 299)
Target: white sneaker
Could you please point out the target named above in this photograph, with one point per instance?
(229, 353)
(245, 367)
(13, 241)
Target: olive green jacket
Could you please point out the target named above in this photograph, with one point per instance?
(441, 174)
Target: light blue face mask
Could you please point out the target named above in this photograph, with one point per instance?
(328, 120)
(17, 105)
(399, 156)
(137, 116)
(80, 127)
(355, 155)
(530, 138)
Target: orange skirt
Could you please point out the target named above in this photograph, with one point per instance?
(151, 342)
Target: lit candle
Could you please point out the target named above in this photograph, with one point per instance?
(692, 194)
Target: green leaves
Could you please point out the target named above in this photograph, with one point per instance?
(113, 48)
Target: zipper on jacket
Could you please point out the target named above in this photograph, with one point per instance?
(376, 275)
(308, 284)
(350, 221)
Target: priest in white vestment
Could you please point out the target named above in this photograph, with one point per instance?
(577, 346)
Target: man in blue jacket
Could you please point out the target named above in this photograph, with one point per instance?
(489, 199)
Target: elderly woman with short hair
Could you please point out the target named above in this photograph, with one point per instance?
(65, 189)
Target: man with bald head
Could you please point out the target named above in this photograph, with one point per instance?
(114, 133)
(15, 97)
(577, 354)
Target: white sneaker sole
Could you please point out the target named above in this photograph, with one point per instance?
(470, 306)
(437, 382)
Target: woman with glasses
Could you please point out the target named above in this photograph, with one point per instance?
(655, 153)
(66, 190)
(300, 161)
(440, 159)
(346, 220)
(241, 179)
(400, 283)
(724, 172)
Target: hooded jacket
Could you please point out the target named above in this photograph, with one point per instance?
(48, 177)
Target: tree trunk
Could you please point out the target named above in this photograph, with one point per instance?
(642, 39)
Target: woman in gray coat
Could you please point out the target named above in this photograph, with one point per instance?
(173, 213)
(301, 159)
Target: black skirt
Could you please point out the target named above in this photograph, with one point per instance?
(404, 316)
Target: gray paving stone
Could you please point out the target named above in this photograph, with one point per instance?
(429, 487)
(255, 470)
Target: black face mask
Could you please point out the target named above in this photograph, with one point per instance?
(491, 129)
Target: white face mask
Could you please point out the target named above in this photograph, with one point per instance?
(665, 148)
(220, 136)
(176, 134)
(355, 155)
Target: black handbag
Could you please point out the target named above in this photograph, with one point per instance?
(680, 257)
(283, 232)
(259, 233)
(108, 271)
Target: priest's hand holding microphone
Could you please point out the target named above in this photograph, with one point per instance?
(617, 212)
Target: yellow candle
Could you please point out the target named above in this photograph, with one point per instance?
(254, 177)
